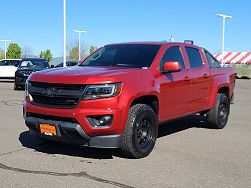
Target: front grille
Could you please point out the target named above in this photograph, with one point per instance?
(55, 95)
(54, 101)
(53, 118)
(57, 85)
(25, 72)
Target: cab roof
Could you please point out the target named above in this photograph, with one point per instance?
(155, 43)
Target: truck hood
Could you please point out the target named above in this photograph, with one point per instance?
(82, 75)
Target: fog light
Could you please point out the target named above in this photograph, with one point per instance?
(100, 121)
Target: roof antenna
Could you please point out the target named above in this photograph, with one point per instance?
(171, 39)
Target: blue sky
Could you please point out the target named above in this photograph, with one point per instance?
(39, 23)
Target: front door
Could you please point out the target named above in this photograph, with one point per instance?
(174, 87)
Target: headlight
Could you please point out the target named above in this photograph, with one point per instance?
(26, 87)
(27, 96)
(101, 91)
(25, 72)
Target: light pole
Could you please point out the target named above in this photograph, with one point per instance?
(64, 61)
(223, 34)
(5, 46)
(79, 43)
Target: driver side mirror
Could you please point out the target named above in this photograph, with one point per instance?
(171, 66)
(52, 66)
(16, 64)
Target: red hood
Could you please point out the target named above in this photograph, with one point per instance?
(82, 75)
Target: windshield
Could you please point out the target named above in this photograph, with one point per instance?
(68, 64)
(125, 55)
(34, 63)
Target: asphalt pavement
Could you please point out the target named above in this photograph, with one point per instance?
(187, 154)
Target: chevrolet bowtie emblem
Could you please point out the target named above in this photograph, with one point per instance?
(50, 92)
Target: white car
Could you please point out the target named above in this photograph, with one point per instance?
(8, 67)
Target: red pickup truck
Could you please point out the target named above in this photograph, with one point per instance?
(118, 95)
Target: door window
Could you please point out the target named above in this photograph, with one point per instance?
(9, 62)
(174, 54)
(13, 62)
(212, 62)
(194, 57)
(4, 63)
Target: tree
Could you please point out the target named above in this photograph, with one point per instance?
(27, 52)
(46, 54)
(13, 51)
(72, 48)
(41, 55)
(73, 54)
(92, 48)
(1, 54)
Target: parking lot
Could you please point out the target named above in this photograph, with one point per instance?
(187, 154)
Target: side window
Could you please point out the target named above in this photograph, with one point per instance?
(8, 63)
(12, 62)
(194, 57)
(212, 62)
(4, 63)
(174, 54)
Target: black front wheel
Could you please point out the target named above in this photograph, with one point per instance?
(15, 86)
(141, 131)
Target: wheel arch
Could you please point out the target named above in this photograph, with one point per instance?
(223, 88)
(151, 100)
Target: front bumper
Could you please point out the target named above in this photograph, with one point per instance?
(72, 133)
(85, 109)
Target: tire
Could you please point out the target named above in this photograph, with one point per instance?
(141, 132)
(218, 116)
(15, 86)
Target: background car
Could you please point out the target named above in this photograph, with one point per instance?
(26, 67)
(8, 67)
(68, 64)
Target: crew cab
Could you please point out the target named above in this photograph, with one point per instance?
(8, 68)
(28, 66)
(117, 96)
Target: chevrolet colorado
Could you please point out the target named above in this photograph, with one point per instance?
(117, 96)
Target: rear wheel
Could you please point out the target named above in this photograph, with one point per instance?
(218, 116)
(140, 133)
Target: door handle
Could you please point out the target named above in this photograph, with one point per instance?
(186, 78)
(205, 76)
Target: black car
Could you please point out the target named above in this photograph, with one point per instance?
(26, 67)
(68, 64)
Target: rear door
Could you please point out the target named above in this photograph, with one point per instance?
(174, 87)
(199, 78)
